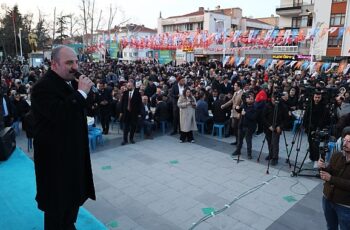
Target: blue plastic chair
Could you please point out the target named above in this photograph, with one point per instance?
(115, 122)
(15, 126)
(331, 150)
(92, 142)
(30, 143)
(220, 128)
(296, 124)
(163, 125)
(200, 126)
(142, 132)
(97, 134)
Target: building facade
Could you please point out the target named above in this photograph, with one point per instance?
(295, 14)
(325, 21)
(217, 20)
(334, 16)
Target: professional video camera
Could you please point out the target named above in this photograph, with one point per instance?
(320, 135)
(323, 137)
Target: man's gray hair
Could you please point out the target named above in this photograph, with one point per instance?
(56, 51)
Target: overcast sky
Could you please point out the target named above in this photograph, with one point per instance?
(144, 11)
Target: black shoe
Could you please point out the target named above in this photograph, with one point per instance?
(132, 141)
(234, 143)
(274, 162)
(173, 133)
(236, 153)
(124, 142)
(250, 156)
(267, 158)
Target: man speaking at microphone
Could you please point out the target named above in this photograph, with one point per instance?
(61, 149)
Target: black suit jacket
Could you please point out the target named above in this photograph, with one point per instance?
(61, 145)
(174, 94)
(136, 103)
(219, 115)
(162, 112)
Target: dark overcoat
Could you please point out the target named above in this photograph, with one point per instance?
(61, 149)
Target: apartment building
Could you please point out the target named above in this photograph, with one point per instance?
(217, 20)
(325, 21)
(334, 16)
(295, 14)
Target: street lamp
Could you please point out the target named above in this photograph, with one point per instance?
(20, 43)
(223, 43)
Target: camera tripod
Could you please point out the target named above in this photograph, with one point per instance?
(297, 138)
(273, 135)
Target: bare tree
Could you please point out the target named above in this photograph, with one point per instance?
(54, 25)
(73, 21)
(91, 17)
(84, 9)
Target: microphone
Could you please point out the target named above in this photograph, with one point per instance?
(77, 74)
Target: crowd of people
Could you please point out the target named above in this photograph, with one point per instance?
(246, 101)
(243, 100)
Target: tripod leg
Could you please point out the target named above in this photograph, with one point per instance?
(302, 163)
(262, 146)
(299, 141)
(295, 136)
(286, 144)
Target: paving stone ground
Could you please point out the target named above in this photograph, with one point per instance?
(162, 184)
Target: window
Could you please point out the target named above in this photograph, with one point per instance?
(334, 42)
(337, 19)
(200, 25)
(296, 22)
(304, 21)
(189, 26)
(309, 20)
(297, 2)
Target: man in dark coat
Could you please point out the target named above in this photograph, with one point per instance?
(316, 117)
(104, 100)
(162, 111)
(175, 92)
(220, 115)
(61, 147)
(130, 111)
(274, 119)
(7, 110)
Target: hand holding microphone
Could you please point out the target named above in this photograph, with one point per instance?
(84, 83)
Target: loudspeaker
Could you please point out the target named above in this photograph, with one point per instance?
(7, 143)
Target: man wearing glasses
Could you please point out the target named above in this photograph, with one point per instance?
(336, 191)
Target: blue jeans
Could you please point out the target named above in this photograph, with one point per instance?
(336, 215)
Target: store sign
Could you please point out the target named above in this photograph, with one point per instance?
(303, 57)
(187, 49)
(283, 57)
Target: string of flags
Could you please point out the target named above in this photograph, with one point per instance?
(326, 67)
(250, 39)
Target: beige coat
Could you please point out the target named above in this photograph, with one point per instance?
(187, 114)
(236, 100)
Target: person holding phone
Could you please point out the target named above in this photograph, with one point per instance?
(336, 191)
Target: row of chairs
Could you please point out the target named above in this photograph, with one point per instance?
(217, 128)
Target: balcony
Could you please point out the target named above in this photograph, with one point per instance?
(289, 10)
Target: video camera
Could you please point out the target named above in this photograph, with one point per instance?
(320, 135)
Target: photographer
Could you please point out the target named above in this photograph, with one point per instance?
(274, 118)
(336, 199)
(316, 118)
